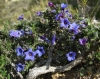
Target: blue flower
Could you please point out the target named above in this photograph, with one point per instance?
(19, 51)
(67, 11)
(40, 51)
(50, 4)
(39, 13)
(70, 15)
(64, 22)
(15, 33)
(53, 11)
(63, 6)
(44, 39)
(57, 17)
(30, 55)
(21, 17)
(20, 67)
(83, 41)
(72, 37)
(71, 56)
(54, 39)
(74, 28)
(22, 32)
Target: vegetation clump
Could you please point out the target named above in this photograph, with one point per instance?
(55, 39)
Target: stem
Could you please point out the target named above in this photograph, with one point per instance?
(49, 56)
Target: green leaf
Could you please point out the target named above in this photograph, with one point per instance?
(8, 77)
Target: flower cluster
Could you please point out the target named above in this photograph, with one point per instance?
(20, 32)
(63, 17)
(52, 41)
(58, 30)
(15, 33)
(29, 55)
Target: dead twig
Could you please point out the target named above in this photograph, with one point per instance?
(36, 71)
